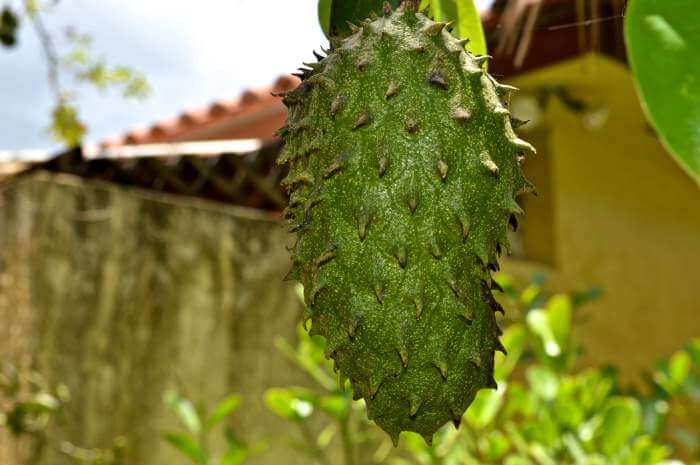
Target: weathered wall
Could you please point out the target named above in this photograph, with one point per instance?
(625, 217)
(121, 294)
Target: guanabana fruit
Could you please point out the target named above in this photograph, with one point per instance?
(403, 172)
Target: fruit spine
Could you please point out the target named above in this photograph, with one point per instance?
(403, 172)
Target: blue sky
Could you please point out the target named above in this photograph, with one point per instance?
(191, 56)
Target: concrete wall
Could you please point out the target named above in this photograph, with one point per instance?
(121, 294)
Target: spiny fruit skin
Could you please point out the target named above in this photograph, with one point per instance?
(403, 172)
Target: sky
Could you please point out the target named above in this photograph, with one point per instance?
(192, 52)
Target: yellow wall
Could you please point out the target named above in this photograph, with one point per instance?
(624, 217)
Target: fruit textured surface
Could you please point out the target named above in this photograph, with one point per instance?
(403, 172)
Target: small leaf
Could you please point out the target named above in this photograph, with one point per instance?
(294, 404)
(66, 126)
(336, 405)
(324, 15)
(543, 382)
(513, 340)
(621, 420)
(185, 411)
(187, 446)
(559, 314)
(485, 407)
(679, 367)
(538, 322)
(467, 21)
(494, 445)
(9, 22)
(662, 40)
(224, 409)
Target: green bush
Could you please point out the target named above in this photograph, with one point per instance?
(545, 411)
(200, 424)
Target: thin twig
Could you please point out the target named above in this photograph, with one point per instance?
(319, 454)
(528, 34)
(48, 47)
(585, 23)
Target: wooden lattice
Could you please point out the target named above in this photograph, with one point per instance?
(250, 180)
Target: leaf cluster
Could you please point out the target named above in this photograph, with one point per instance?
(200, 423)
(545, 412)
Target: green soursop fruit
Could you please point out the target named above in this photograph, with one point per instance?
(403, 172)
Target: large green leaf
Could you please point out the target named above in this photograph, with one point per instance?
(467, 21)
(354, 11)
(663, 41)
(324, 15)
(334, 16)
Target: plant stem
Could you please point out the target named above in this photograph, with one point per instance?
(346, 436)
(320, 455)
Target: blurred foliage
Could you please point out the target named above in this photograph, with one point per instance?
(673, 408)
(545, 411)
(200, 423)
(78, 63)
(27, 402)
(466, 17)
(86, 68)
(9, 22)
(28, 407)
(662, 45)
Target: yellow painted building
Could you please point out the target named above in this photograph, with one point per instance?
(615, 211)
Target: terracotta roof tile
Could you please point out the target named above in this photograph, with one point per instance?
(221, 113)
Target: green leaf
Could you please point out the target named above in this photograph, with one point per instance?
(513, 340)
(224, 409)
(559, 314)
(663, 40)
(621, 420)
(539, 324)
(184, 410)
(543, 382)
(485, 407)
(336, 405)
(494, 445)
(187, 446)
(66, 126)
(344, 11)
(294, 404)
(9, 22)
(467, 21)
(679, 367)
(324, 15)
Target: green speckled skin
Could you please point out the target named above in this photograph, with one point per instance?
(403, 172)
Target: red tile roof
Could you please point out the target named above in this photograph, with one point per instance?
(255, 114)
